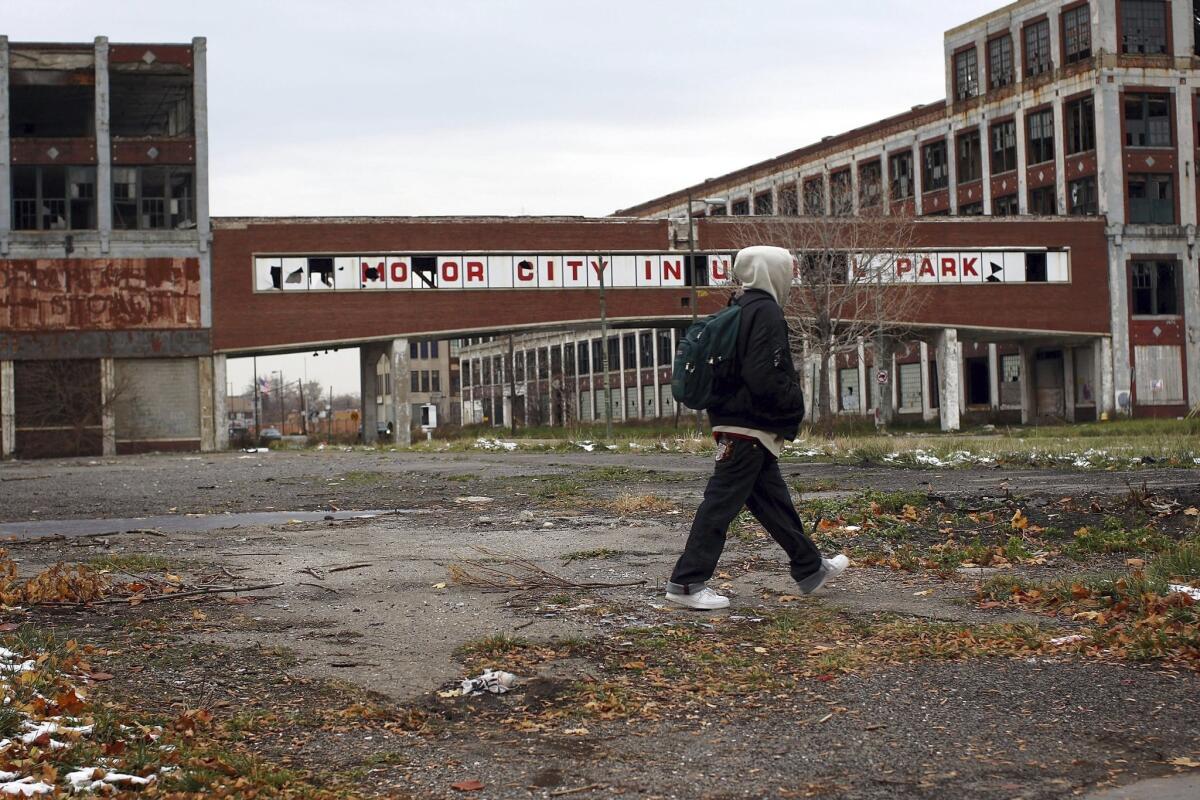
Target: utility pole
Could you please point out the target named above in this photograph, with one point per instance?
(279, 372)
(512, 388)
(303, 408)
(330, 420)
(604, 355)
(256, 397)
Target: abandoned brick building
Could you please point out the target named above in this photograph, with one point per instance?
(1063, 158)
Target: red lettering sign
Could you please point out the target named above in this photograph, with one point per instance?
(926, 268)
(449, 271)
(949, 267)
(399, 272)
(525, 272)
(904, 265)
(968, 267)
(672, 269)
(575, 265)
(720, 269)
(475, 271)
(599, 267)
(371, 274)
(649, 267)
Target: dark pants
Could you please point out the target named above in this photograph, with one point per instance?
(746, 474)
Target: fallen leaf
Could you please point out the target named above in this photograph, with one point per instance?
(1191, 511)
(439, 586)
(1019, 521)
(576, 732)
(101, 676)
(467, 786)
(199, 615)
(1184, 761)
(762, 651)
(925, 593)
(788, 598)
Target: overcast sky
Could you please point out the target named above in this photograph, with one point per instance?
(519, 107)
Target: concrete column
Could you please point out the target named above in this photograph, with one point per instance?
(220, 413)
(985, 153)
(835, 391)
(918, 178)
(993, 377)
(1110, 180)
(658, 403)
(8, 415)
(1028, 390)
(895, 384)
(1069, 383)
(1191, 321)
(108, 417)
(528, 378)
(1060, 150)
(103, 147)
(622, 366)
(1118, 293)
(949, 378)
(5, 164)
(927, 410)
(368, 356)
(1103, 364)
(402, 411)
(1022, 160)
(637, 359)
(1185, 131)
(864, 393)
(952, 169)
(200, 127)
(208, 389)
(885, 183)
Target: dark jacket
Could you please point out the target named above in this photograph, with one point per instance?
(766, 394)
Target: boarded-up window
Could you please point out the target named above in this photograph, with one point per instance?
(631, 402)
(910, 387)
(1010, 380)
(850, 390)
(1158, 375)
(648, 399)
(668, 401)
(1085, 376)
(586, 412)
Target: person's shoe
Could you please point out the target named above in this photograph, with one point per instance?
(705, 599)
(830, 569)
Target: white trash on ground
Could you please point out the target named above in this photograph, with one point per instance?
(494, 681)
(1191, 591)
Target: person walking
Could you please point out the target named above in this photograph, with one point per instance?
(760, 411)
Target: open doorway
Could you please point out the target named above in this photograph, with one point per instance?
(978, 386)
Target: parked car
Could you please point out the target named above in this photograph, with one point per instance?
(269, 435)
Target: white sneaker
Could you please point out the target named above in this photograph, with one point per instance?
(705, 599)
(830, 569)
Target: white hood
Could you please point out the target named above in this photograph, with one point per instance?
(766, 268)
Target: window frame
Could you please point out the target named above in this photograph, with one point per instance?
(1010, 126)
(928, 182)
(169, 171)
(1145, 98)
(1050, 190)
(1072, 123)
(1154, 275)
(1035, 148)
(841, 193)
(999, 81)
(894, 175)
(965, 137)
(70, 179)
(1080, 16)
(1124, 37)
(1151, 179)
(966, 72)
(1091, 206)
(866, 197)
(1037, 58)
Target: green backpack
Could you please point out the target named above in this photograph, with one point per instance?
(706, 359)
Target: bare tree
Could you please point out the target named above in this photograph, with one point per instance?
(65, 402)
(848, 289)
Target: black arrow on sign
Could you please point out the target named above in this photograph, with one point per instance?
(996, 270)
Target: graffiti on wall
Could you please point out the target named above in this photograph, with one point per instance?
(60, 294)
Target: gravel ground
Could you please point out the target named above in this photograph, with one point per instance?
(980, 728)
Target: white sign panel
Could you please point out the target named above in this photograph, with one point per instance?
(466, 271)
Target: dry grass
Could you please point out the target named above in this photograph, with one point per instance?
(642, 504)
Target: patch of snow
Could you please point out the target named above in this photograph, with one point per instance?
(1072, 639)
(84, 780)
(25, 787)
(495, 444)
(1191, 591)
(494, 681)
(588, 446)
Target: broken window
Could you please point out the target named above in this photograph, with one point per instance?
(1083, 197)
(1043, 201)
(581, 356)
(1004, 147)
(1000, 62)
(740, 208)
(153, 198)
(1155, 288)
(900, 170)
(841, 196)
(1037, 48)
(150, 106)
(814, 197)
(970, 167)
(789, 204)
(1077, 34)
(870, 184)
(764, 204)
(1151, 199)
(934, 175)
(1041, 136)
(1081, 125)
(1035, 267)
(1147, 120)
(1006, 206)
(665, 353)
(966, 74)
(1143, 27)
(646, 349)
(49, 198)
(58, 104)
